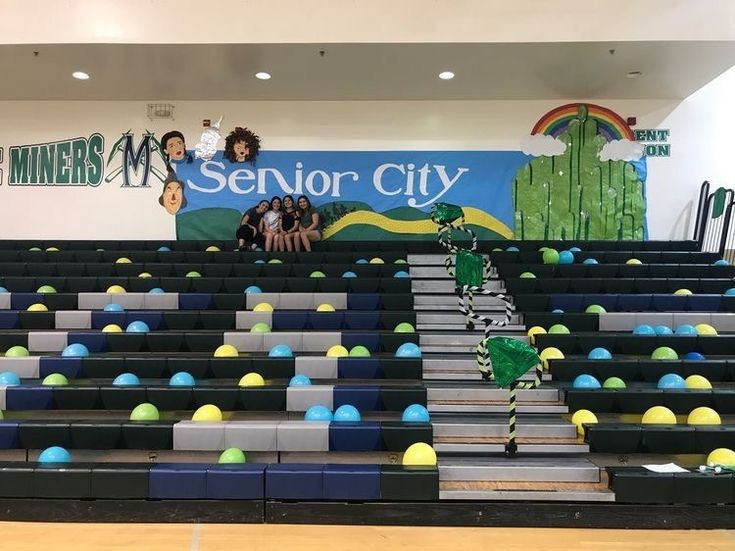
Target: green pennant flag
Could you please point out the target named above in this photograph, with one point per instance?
(444, 213)
(511, 358)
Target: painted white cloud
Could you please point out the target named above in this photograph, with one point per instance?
(541, 145)
(621, 150)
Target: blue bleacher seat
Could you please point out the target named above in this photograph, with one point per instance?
(69, 367)
(355, 437)
(178, 481)
(359, 368)
(364, 398)
(294, 481)
(195, 301)
(28, 397)
(236, 481)
(351, 482)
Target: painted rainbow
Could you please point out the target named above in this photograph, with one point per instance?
(609, 124)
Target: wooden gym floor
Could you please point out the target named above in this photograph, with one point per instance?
(24, 536)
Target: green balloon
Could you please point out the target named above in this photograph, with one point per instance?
(16, 352)
(496, 249)
(401, 261)
(46, 289)
(664, 353)
(145, 412)
(34, 249)
(1, 415)
(260, 327)
(551, 256)
(55, 379)
(542, 249)
(359, 351)
(558, 329)
(193, 274)
(595, 309)
(613, 382)
(404, 327)
(528, 275)
(232, 455)
(317, 273)
(271, 261)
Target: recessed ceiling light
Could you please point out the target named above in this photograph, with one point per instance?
(262, 75)
(633, 74)
(446, 75)
(80, 75)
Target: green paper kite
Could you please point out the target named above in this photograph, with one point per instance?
(470, 269)
(444, 213)
(511, 358)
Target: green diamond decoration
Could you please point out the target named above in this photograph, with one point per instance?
(511, 358)
(469, 268)
(444, 213)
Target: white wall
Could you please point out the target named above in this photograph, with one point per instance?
(109, 212)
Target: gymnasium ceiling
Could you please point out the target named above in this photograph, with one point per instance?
(487, 71)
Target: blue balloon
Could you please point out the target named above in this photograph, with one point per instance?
(361, 261)
(401, 273)
(671, 380)
(694, 356)
(182, 378)
(589, 261)
(644, 330)
(318, 413)
(415, 413)
(54, 454)
(586, 381)
(512, 249)
(408, 350)
(8, 378)
(164, 249)
(349, 274)
(575, 250)
(346, 414)
(137, 327)
(126, 379)
(258, 249)
(721, 262)
(299, 380)
(113, 307)
(686, 330)
(3, 290)
(599, 354)
(730, 292)
(156, 291)
(261, 261)
(75, 350)
(566, 257)
(252, 290)
(281, 351)
(663, 330)
(557, 311)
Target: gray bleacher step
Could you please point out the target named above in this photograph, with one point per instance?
(528, 495)
(432, 272)
(477, 331)
(428, 259)
(465, 339)
(523, 448)
(438, 392)
(448, 286)
(456, 318)
(481, 302)
(498, 428)
(526, 469)
(455, 407)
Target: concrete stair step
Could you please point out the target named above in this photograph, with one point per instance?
(448, 286)
(528, 495)
(526, 469)
(475, 431)
(523, 448)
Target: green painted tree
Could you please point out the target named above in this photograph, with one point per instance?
(575, 195)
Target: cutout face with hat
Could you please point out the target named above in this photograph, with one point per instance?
(172, 197)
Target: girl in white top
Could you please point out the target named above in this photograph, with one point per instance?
(271, 223)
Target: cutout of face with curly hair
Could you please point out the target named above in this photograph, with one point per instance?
(241, 146)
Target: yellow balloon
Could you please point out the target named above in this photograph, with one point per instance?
(535, 330)
(705, 329)
(721, 456)
(116, 289)
(52, 249)
(634, 261)
(337, 351)
(207, 413)
(262, 307)
(683, 292)
(659, 415)
(144, 275)
(377, 260)
(550, 353)
(252, 379)
(123, 260)
(419, 454)
(697, 381)
(37, 308)
(112, 328)
(583, 416)
(213, 249)
(703, 416)
(226, 351)
(325, 308)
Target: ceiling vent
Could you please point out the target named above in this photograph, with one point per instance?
(160, 111)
